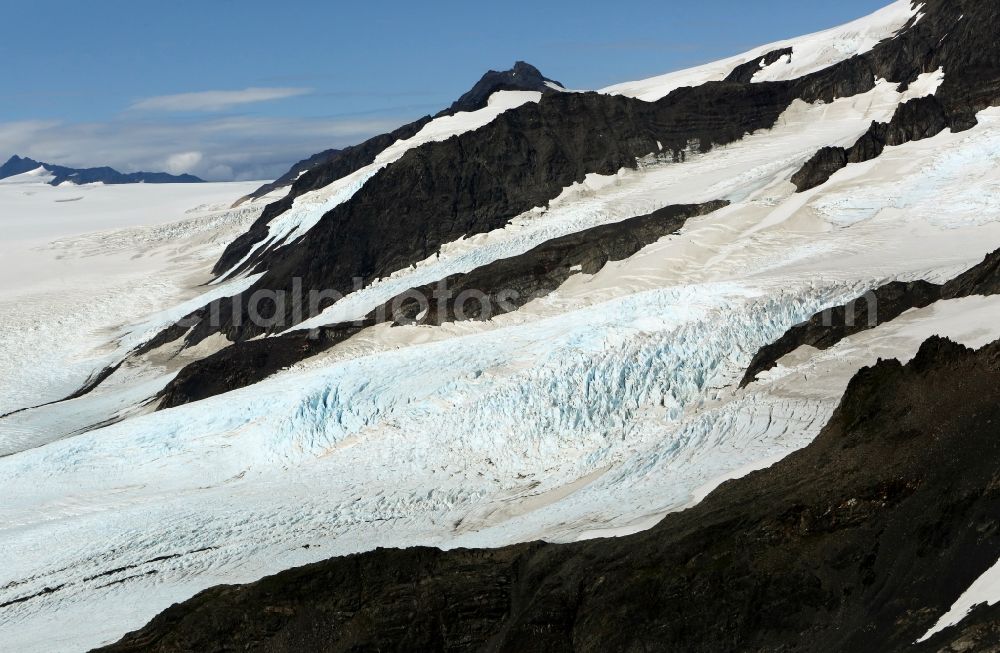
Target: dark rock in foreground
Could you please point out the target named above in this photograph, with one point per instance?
(859, 542)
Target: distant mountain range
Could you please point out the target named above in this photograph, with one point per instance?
(17, 165)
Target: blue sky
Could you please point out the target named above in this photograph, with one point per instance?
(241, 89)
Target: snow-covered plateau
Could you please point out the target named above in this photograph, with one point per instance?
(590, 412)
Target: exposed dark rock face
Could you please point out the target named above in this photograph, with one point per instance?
(510, 283)
(958, 36)
(744, 72)
(18, 165)
(859, 542)
(522, 77)
(478, 181)
(826, 328)
(499, 287)
(913, 121)
(884, 304)
(983, 279)
(820, 168)
(979, 632)
(246, 363)
(340, 164)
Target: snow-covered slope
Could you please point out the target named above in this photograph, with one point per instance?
(809, 54)
(80, 262)
(561, 421)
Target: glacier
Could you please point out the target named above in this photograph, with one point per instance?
(590, 412)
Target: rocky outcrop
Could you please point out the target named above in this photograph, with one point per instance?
(826, 328)
(859, 542)
(485, 292)
(340, 164)
(522, 77)
(884, 304)
(913, 121)
(818, 169)
(246, 363)
(744, 73)
(956, 36)
(979, 632)
(510, 283)
(478, 181)
(18, 165)
(983, 279)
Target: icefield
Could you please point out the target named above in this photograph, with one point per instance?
(591, 412)
(80, 262)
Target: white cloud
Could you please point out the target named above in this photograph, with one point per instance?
(221, 148)
(215, 100)
(182, 162)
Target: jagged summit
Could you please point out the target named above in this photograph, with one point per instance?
(521, 77)
(18, 165)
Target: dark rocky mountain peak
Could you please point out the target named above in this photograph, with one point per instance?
(522, 77)
(17, 165)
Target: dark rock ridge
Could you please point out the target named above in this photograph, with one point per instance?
(522, 77)
(859, 543)
(913, 121)
(958, 36)
(884, 304)
(293, 173)
(245, 363)
(478, 181)
(500, 287)
(18, 165)
(342, 163)
(826, 328)
(744, 72)
(510, 283)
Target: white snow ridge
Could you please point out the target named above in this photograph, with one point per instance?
(591, 412)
